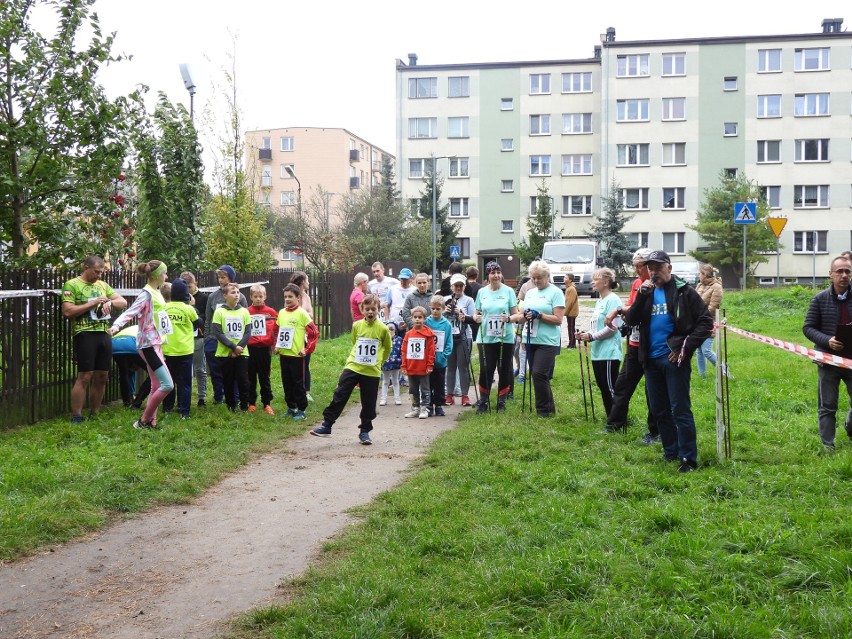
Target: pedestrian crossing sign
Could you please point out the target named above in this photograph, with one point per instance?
(455, 251)
(745, 213)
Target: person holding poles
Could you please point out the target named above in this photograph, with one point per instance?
(495, 303)
(460, 311)
(544, 310)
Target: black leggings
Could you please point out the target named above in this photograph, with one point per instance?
(496, 357)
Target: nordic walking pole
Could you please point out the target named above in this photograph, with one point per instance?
(527, 369)
(583, 383)
(470, 366)
(589, 377)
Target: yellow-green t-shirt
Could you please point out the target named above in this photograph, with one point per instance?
(371, 345)
(77, 291)
(181, 340)
(291, 331)
(234, 322)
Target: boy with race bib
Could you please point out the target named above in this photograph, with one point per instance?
(264, 331)
(180, 347)
(297, 336)
(231, 329)
(443, 330)
(371, 345)
(418, 360)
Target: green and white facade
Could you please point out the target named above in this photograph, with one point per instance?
(663, 118)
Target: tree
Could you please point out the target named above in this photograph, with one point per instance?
(715, 225)
(62, 142)
(172, 193)
(540, 227)
(388, 185)
(608, 232)
(239, 230)
(445, 231)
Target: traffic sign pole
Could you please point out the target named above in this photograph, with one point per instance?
(745, 213)
(777, 225)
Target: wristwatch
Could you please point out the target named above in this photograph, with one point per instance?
(619, 311)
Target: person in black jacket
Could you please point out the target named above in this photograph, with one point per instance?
(673, 322)
(828, 310)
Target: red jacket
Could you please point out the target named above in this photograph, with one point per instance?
(427, 362)
(271, 315)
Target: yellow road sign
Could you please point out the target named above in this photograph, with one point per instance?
(777, 225)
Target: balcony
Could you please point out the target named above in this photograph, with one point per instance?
(354, 182)
(354, 155)
(264, 154)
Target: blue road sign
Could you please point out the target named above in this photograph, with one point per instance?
(745, 213)
(455, 251)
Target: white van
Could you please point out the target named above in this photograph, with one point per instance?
(578, 257)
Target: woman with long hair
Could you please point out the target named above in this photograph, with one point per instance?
(710, 290)
(300, 279)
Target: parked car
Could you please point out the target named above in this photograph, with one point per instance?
(687, 271)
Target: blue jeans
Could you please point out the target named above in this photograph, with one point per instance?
(703, 354)
(668, 394)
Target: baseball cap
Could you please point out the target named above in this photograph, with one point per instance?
(458, 278)
(405, 274)
(641, 255)
(658, 256)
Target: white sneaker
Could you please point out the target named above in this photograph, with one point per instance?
(397, 401)
(424, 413)
(414, 412)
(383, 402)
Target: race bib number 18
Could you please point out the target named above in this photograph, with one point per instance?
(416, 348)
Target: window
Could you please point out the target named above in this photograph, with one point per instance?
(769, 106)
(539, 83)
(577, 82)
(507, 186)
(811, 150)
(422, 128)
(633, 154)
(729, 83)
(811, 104)
(639, 240)
(267, 198)
(284, 174)
(417, 167)
(289, 255)
(674, 153)
(769, 60)
(534, 204)
(576, 205)
(632, 110)
(506, 104)
(730, 129)
(772, 195)
(674, 64)
(539, 165)
(422, 88)
(575, 123)
(674, 198)
(266, 143)
(632, 66)
(458, 127)
(459, 207)
(459, 167)
(635, 199)
(810, 196)
(577, 164)
(266, 176)
(288, 198)
(464, 246)
(731, 173)
(674, 108)
(508, 226)
(539, 125)
(816, 59)
(507, 144)
(768, 151)
(458, 87)
(673, 243)
(288, 144)
(803, 241)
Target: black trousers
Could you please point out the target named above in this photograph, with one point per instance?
(541, 360)
(235, 374)
(128, 364)
(606, 373)
(259, 369)
(293, 382)
(346, 383)
(180, 368)
(437, 383)
(625, 385)
(496, 357)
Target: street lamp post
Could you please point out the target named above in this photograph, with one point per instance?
(327, 217)
(189, 83)
(435, 220)
(292, 174)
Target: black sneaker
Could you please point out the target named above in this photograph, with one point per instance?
(76, 419)
(686, 466)
(501, 406)
(364, 438)
(482, 407)
(322, 431)
(649, 439)
(670, 458)
(613, 429)
(201, 403)
(439, 412)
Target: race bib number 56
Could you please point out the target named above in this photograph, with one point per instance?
(285, 337)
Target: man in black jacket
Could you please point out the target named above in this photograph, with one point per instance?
(829, 310)
(673, 322)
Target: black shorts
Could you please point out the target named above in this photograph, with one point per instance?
(93, 351)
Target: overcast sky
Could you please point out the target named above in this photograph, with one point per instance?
(331, 64)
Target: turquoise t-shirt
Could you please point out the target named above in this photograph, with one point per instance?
(544, 300)
(661, 325)
(491, 304)
(608, 348)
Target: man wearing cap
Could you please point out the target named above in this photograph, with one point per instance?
(393, 301)
(631, 372)
(225, 274)
(829, 310)
(673, 322)
(380, 285)
(460, 311)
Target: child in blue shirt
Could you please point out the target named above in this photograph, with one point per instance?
(390, 369)
(443, 330)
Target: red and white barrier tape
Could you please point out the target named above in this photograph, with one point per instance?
(810, 353)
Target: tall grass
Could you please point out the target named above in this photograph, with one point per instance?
(521, 526)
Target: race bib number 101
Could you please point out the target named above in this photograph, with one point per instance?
(258, 325)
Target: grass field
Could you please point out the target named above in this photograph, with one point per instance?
(519, 526)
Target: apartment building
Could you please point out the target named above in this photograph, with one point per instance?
(663, 118)
(299, 161)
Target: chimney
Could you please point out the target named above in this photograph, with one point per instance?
(832, 25)
(610, 34)
(597, 52)
(412, 59)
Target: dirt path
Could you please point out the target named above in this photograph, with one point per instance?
(182, 571)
